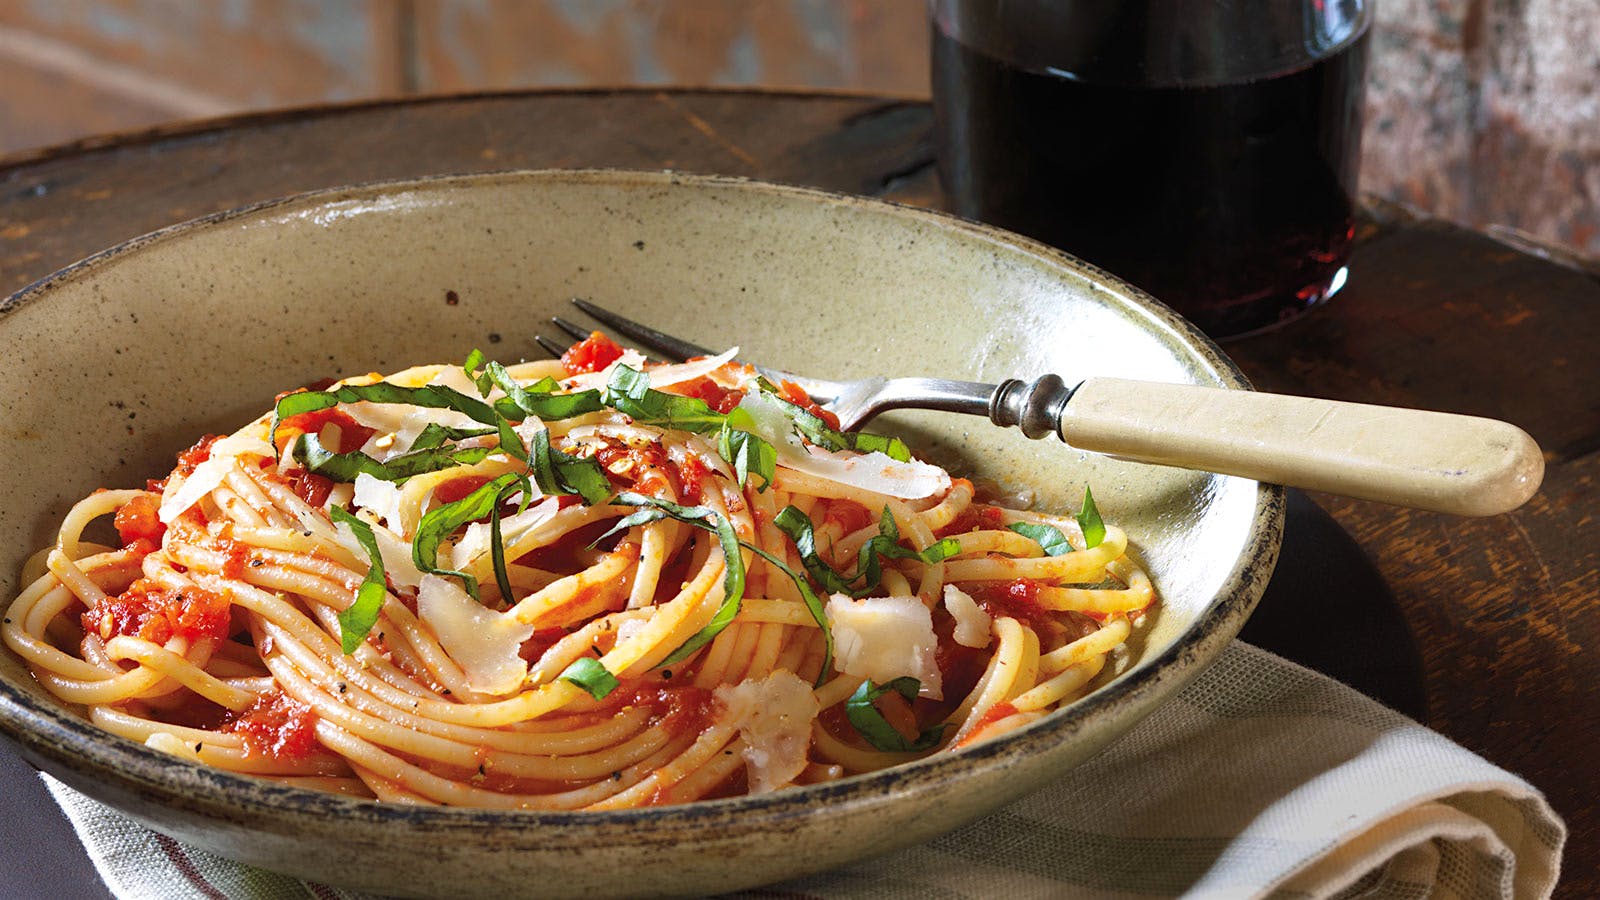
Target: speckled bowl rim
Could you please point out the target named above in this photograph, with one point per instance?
(75, 744)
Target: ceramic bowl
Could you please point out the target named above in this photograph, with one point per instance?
(119, 361)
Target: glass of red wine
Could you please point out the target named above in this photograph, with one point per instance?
(1204, 150)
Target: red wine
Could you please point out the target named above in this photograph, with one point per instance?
(1230, 202)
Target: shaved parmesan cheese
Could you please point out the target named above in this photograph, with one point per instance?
(664, 376)
(774, 717)
(396, 426)
(453, 377)
(184, 492)
(972, 623)
(884, 638)
(475, 543)
(398, 567)
(484, 643)
(877, 472)
(379, 497)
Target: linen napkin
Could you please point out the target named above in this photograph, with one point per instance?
(1262, 779)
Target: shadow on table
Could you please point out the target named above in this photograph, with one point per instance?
(1328, 609)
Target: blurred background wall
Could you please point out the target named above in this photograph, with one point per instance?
(1482, 111)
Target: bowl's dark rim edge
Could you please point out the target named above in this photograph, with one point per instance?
(73, 742)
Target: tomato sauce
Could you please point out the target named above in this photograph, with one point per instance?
(692, 476)
(680, 710)
(1017, 599)
(194, 456)
(309, 486)
(644, 469)
(994, 714)
(458, 488)
(278, 726)
(139, 520)
(850, 517)
(795, 394)
(591, 354)
(352, 434)
(974, 518)
(148, 611)
(719, 398)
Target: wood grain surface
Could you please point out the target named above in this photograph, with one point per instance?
(1504, 610)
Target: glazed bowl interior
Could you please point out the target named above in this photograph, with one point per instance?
(116, 364)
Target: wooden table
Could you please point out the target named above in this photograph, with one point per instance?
(1503, 611)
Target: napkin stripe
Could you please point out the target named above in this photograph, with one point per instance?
(180, 858)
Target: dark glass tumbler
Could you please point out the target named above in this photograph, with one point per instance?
(1204, 150)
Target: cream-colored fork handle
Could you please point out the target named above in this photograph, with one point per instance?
(1463, 465)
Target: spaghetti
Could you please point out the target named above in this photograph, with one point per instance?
(580, 584)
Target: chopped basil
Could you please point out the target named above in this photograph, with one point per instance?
(357, 619)
(442, 521)
(511, 442)
(710, 520)
(471, 366)
(661, 511)
(558, 473)
(871, 724)
(434, 435)
(497, 546)
(346, 466)
(748, 454)
(869, 571)
(1094, 528)
(629, 393)
(1049, 538)
(537, 400)
(433, 396)
(589, 674)
(812, 427)
(892, 447)
(794, 523)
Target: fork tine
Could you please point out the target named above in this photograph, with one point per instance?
(665, 344)
(574, 330)
(550, 347)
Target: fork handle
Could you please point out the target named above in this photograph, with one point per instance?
(1443, 462)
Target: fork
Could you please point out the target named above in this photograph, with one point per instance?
(1443, 462)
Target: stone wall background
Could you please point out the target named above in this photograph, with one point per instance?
(1483, 111)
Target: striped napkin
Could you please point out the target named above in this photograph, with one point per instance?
(1262, 779)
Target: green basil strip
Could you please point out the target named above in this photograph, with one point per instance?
(346, 466)
(537, 400)
(511, 442)
(813, 605)
(557, 473)
(550, 407)
(794, 523)
(442, 521)
(473, 363)
(892, 447)
(871, 724)
(497, 545)
(749, 455)
(629, 393)
(733, 574)
(1049, 538)
(435, 435)
(588, 673)
(814, 429)
(812, 601)
(1094, 528)
(869, 571)
(357, 619)
(433, 396)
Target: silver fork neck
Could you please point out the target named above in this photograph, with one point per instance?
(1034, 406)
